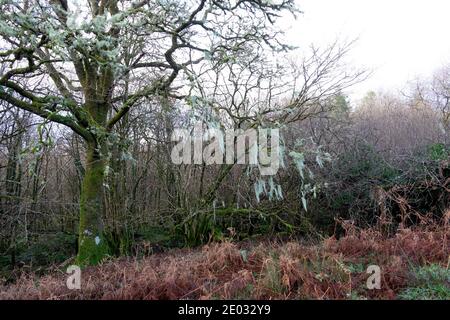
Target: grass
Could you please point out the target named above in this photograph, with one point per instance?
(430, 283)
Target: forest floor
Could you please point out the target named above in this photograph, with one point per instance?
(414, 264)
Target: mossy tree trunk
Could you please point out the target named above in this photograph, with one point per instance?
(92, 246)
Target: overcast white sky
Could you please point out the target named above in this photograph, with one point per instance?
(398, 39)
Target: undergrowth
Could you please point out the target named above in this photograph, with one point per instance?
(413, 262)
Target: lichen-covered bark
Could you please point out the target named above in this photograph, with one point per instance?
(92, 246)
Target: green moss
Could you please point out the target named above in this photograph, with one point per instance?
(228, 212)
(92, 250)
(92, 245)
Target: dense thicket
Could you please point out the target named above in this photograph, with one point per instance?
(389, 162)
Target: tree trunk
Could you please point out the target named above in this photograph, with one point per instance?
(92, 246)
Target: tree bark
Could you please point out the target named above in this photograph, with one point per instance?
(92, 246)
